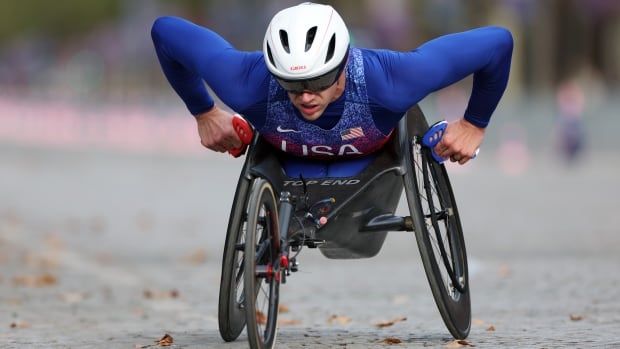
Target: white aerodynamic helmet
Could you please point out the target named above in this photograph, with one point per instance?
(306, 47)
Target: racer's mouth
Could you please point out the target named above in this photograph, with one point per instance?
(309, 109)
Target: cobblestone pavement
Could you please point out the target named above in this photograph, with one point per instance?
(103, 250)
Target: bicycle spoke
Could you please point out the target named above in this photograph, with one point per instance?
(417, 150)
(447, 241)
(436, 176)
(239, 260)
(438, 215)
(269, 313)
(261, 249)
(264, 292)
(261, 221)
(240, 272)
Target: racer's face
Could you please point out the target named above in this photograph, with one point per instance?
(311, 104)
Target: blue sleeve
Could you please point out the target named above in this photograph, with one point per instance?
(399, 80)
(189, 54)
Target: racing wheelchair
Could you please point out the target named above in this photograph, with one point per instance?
(273, 216)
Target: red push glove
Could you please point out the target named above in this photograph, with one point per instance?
(245, 133)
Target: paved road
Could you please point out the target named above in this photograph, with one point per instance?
(105, 250)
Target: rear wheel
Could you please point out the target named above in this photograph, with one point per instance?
(262, 274)
(231, 308)
(440, 238)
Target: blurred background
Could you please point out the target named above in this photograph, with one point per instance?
(112, 215)
(68, 68)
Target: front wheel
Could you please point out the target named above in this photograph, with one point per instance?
(262, 273)
(440, 238)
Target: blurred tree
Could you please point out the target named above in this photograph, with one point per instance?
(58, 18)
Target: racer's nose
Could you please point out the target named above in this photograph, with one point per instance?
(307, 96)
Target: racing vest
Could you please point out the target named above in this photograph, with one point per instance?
(354, 135)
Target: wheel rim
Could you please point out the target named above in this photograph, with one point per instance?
(440, 223)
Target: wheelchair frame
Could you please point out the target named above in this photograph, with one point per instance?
(348, 227)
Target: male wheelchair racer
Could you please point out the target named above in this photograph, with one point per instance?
(274, 216)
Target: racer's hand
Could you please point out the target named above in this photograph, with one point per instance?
(460, 141)
(216, 131)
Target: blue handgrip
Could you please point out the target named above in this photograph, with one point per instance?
(433, 136)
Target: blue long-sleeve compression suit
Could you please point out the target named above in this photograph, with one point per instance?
(381, 85)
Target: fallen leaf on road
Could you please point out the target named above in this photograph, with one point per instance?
(197, 257)
(282, 309)
(459, 343)
(54, 242)
(42, 280)
(165, 341)
(288, 322)
(342, 320)
(36, 261)
(504, 270)
(575, 317)
(478, 322)
(72, 297)
(391, 341)
(19, 324)
(491, 328)
(390, 322)
(150, 294)
(138, 312)
(261, 319)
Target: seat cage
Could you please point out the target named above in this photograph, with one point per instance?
(372, 193)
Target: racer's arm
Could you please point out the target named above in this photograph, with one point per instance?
(189, 54)
(410, 76)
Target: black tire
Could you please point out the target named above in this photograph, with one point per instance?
(262, 274)
(440, 237)
(231, 307)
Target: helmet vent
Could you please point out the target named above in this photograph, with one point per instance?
(310, 37)
(331, 48)
(270, 56)
(284, 40)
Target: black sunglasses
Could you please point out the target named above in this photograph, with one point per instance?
(316, 84)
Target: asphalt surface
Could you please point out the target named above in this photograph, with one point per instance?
(99, 250)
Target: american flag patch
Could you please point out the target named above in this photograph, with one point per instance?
(351, 133)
